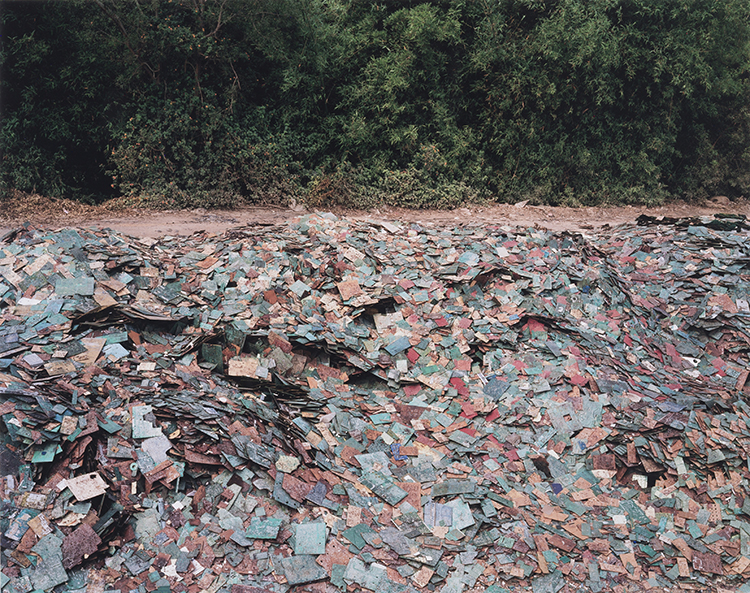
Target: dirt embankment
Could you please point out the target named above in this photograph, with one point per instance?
(44, 212)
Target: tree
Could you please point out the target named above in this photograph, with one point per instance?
(57, 101)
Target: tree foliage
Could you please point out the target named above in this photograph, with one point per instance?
(188, 102)
(56, 98)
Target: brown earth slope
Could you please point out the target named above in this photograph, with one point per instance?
(45, 212)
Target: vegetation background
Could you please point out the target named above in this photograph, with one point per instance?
(184, 103)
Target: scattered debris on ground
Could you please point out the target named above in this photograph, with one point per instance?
(331, 405)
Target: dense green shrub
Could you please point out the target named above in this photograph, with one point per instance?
(614, 101)
(187, 155)
(198, 131)
(345, 102)
(57, 101)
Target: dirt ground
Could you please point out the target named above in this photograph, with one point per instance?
(49, 213)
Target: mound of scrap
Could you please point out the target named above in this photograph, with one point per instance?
(332, 405)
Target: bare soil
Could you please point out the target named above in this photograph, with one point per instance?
(18, 209)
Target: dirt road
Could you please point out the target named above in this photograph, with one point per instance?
(43, 212)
